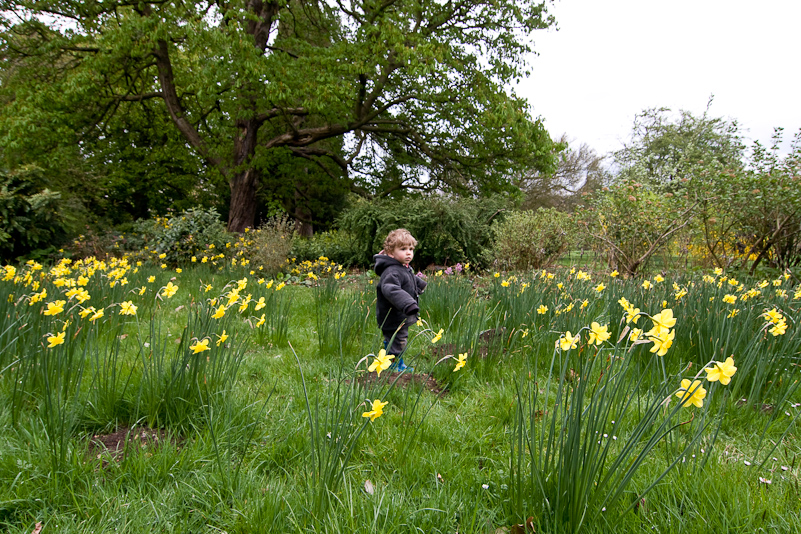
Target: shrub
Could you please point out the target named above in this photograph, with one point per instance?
(532, 239)
(337, 245)
(448, 230)
(272, 243)
(182, 236)
(31, 222)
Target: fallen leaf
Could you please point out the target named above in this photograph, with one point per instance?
(368, 487)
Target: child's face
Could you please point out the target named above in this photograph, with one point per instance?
(403, 253)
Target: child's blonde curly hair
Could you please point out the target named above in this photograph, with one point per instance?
(398, 238)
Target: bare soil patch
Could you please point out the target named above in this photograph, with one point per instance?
(405, 380)
(113, 446)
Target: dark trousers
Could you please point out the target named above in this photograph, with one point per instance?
(399, 341)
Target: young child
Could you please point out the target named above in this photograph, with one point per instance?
(397, 291)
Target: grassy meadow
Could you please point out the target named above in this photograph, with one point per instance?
(137, 397)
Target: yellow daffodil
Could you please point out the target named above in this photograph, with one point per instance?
(245, 302)
(614, 274)
(377, 410)
(773, 316)
(200, 346)
(635, 334)
(281, 286)
(142, 290)
(54, 308)
(662, 342)
(647, 284)
(220, 312)
(779, 328)
(599, 288)
(382, 362)
(664, 319)
(87, 311)
(58, 339)
(151, 279)
(691, 393)
(221, 338)
(568, 341)
(598, 333)
(729, 299)
(505, 283)
(733, 313)
(97, 315)
(128, 308)
(496, 275)
(438, 336)
(722, 371)
(632, 314)
(260, 304)
(542, 310)
(460, 363)
(659, 279)
(169, 290)
(261, 320)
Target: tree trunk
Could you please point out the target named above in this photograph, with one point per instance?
(242, 213)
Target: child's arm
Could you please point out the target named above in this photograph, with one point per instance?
(400, 299)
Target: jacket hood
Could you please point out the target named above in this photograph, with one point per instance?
(382, 261)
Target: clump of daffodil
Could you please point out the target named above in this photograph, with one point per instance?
(691, 393)
(598, 333)
(721, 371)
(382, 362)
(661, 334)
(460, 362)
(778, 321)
(376, 410)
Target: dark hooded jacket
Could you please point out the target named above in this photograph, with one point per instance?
(397, 292)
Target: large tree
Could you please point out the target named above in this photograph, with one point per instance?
(378, 95)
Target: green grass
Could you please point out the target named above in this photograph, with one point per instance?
(239, 453)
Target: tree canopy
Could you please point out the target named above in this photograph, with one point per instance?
(305, 98)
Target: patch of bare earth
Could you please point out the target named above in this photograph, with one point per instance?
(405, 380)
(113, 446)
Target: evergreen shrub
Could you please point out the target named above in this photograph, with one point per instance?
(448, 230)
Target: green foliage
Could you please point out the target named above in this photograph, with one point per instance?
(447, 230)
(182, 236)
(247, 88)
(30, 215)
(532, 239)
(337, 245)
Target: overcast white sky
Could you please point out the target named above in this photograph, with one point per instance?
(611, 59)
